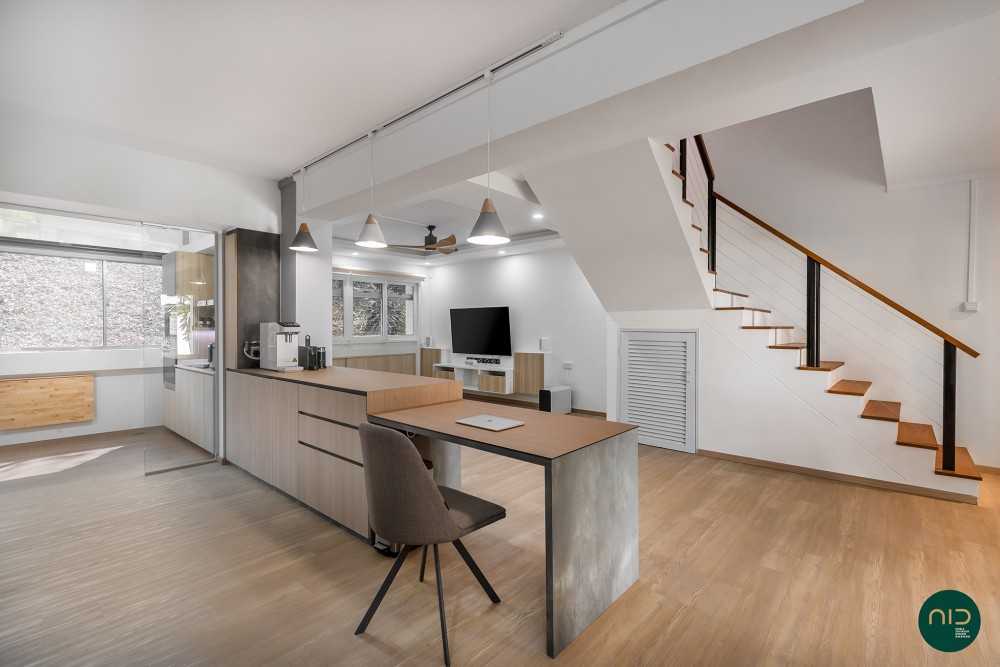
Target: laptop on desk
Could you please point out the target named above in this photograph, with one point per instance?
(490, 422)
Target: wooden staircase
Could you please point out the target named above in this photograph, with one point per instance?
(909, 434)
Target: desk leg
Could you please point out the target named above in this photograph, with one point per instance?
(591, 535)
(446, 457)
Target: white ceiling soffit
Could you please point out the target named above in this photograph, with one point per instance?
(630, 45)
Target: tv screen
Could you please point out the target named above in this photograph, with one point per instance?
(481, 331)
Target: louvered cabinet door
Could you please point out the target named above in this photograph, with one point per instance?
(658, 387)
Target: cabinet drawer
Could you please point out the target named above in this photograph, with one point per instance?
(494, 383)
(335, 488)
(337, 405)
(340, 440)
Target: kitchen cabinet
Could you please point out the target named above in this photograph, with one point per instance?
(189, 409)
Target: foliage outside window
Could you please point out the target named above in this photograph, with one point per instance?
(338, 307)
(56, 302)
(379, 308)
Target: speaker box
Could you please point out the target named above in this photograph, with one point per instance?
(558, 398)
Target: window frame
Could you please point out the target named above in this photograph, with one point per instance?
(349, 338)
(98, 256)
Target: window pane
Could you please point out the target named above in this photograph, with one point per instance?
(49, 302)
(338, 307)
(133, 314)
(367, 308)
(401, 312)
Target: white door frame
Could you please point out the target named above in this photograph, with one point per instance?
(695, 356)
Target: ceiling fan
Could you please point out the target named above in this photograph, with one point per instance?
(445, 246)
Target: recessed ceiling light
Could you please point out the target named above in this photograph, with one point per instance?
(501, 252)
(355, 254)
(538, 215)
(427, 263)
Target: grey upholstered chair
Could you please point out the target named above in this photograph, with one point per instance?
(405, 506)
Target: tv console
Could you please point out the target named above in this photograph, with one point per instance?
(485, 374)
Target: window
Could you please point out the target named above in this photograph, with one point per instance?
(378, 307)
(51, 302)
(338, 307)
(367, 308)
(401, 312)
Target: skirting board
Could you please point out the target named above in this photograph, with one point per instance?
(849, 479)
(989, 469)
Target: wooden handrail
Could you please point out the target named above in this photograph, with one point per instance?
(848, 277)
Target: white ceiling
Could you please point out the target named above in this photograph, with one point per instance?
(259, 87)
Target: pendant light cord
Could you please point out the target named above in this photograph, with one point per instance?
(371, 172)
(489, 132)
(302, 199)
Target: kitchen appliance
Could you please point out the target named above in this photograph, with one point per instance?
(279, 346)
(312, 357)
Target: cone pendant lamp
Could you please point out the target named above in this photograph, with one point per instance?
(371, 233)
(303, 241)
(488, 229)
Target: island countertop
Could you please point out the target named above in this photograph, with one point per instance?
(351, 380)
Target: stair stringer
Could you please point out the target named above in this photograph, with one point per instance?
(753, 402)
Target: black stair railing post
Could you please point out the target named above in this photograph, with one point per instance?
(711, 224)
(684, 168)
(812, 312)
(948, 422)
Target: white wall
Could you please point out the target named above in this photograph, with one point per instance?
(815, 173)
(548, 296)
(128, 385)
(44, 164)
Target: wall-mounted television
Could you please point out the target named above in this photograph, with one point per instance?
(481, 331)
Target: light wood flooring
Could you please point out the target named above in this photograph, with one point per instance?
(740, 565)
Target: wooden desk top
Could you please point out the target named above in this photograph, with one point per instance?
(352, 380)
(544, 436)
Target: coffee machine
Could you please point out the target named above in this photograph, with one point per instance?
(279, 346)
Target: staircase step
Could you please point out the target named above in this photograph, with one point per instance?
(787, 346)
(964, 467)
(725, 291)
(670, 148)
(767, 326)
(887, 411)
(677, 174)
(850, 388)
(825, 366)
(756, 310)
(916, 435)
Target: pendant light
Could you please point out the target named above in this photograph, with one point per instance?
(488, 229)
(303, 241)
(371, 233)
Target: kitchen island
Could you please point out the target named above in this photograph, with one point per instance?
(298, 432)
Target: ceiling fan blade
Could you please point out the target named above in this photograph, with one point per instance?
(448, 240)
(447, 251)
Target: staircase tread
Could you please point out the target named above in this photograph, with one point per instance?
(677, 174)
(882, 410)
(768, 326)
(916, 435)
(850, 387)
(825, 366)
(787, 346)
(696, 226)
(757, 310)
(670, 148)
(964, 466)
(726, 291)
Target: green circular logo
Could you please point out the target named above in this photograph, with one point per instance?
(949, 621)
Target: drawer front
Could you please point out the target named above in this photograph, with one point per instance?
(494, 383)
(335, 488)
(330, 404)
(334, 438)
